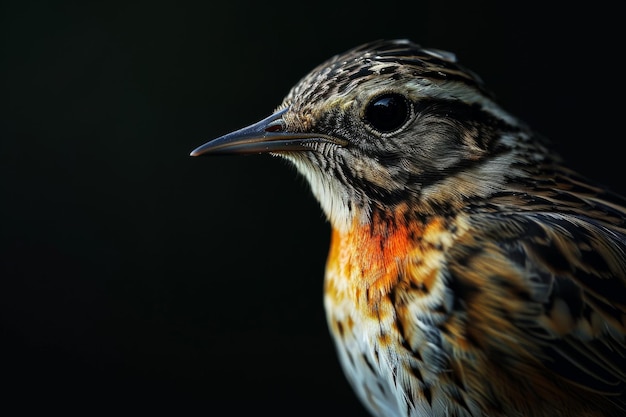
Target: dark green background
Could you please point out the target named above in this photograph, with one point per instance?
(134, 278)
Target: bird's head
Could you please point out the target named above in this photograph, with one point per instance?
(385, 125)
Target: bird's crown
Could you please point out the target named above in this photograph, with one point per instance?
(396, 59)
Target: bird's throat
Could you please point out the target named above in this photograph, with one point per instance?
(366, 262)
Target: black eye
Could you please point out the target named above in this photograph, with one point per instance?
(387, 113)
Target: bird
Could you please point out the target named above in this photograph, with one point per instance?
(471, 270)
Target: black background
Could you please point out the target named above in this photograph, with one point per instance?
(135, 279)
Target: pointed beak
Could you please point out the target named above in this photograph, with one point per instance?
(267, 135)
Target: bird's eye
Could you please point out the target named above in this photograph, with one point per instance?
(388, 112)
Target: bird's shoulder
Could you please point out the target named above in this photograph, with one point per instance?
(547, 287)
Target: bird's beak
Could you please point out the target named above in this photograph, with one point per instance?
(267, 135)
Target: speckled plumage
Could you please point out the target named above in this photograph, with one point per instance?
(471, 273)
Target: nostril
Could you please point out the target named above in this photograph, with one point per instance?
(276, 126)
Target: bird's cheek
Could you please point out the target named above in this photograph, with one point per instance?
(372, 173)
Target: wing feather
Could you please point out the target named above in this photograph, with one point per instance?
(581, 266)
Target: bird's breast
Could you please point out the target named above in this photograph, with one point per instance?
(374, 272)
(369, 262)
